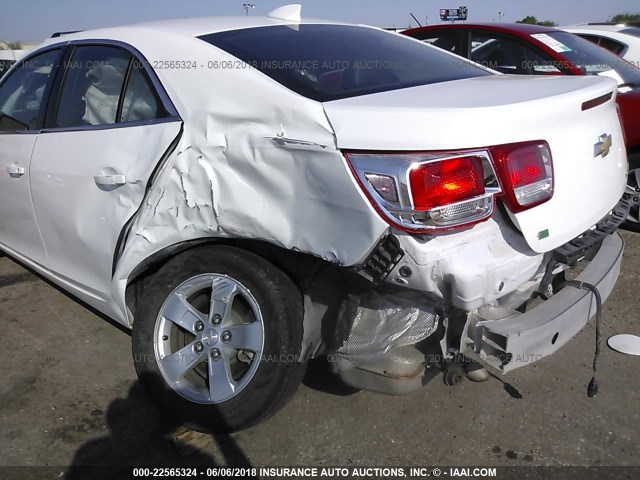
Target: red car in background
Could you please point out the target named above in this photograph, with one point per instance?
(535, 50)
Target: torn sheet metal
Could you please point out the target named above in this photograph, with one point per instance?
(255, 161)
(381, 323)
(67, 186)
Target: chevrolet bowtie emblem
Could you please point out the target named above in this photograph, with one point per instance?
(603, 147)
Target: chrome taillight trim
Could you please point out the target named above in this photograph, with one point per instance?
(399, 165)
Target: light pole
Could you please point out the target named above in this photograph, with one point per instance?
(248, 6)
(500, 15)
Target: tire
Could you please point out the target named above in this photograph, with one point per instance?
(264, 374)
(633, 220)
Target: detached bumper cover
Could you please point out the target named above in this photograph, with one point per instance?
(519, 340)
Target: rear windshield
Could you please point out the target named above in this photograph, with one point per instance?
(329, 62)
(594, 60)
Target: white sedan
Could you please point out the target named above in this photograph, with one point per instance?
(249, 193)
(622, 40)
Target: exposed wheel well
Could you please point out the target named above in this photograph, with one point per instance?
(300, 267)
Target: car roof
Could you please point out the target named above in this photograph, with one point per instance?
(193, 27)
(591, 26)
(522, 28)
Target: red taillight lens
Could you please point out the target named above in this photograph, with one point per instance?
(445, 182)
(526, 170)
(430, 191)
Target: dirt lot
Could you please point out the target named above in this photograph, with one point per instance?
(68, 395)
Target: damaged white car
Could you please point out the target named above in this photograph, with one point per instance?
(250, 193)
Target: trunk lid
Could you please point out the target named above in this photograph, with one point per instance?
(501, 109)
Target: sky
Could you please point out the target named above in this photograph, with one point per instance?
(34, 20)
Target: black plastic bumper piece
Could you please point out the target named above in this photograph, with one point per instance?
(383, 259)
(571, 252)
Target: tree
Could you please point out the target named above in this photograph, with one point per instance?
(531, 20)
(14, 45)
(626, 18)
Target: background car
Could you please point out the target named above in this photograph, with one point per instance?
(536, 50)
(621, 40)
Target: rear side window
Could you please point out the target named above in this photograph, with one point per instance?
(92, 86)
(609, 44)
(140, 100)
(612, 45)
(105, 85)
(329, 62)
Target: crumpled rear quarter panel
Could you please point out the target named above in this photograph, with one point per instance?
(236, 173)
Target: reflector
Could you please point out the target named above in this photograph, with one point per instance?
(384, 185)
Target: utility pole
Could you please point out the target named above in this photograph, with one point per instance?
(248, 6)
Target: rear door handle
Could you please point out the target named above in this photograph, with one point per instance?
(110, 179)
(16, 171)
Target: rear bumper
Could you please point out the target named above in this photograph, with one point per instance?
(518, 340)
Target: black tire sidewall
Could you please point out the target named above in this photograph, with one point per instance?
(634, 163)
(279, 372)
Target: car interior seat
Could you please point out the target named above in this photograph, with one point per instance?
(103, 93)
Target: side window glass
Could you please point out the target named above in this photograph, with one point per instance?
(92, 86)
(539, 63)
(591, 38)
(508, 55)
(448, 41)
(140, 100)
(500, 53)
(612, 45)
(22, 93)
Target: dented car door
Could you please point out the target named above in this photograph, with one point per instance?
(91, 166)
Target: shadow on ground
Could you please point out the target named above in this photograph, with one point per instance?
(320, 377)
(141, 436)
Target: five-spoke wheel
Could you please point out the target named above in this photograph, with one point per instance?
(217, 336)
(209, 338)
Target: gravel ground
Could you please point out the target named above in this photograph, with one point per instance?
(69, 396)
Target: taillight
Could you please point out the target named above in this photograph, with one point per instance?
(526, 172)
(442, 183)
(430, 191)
